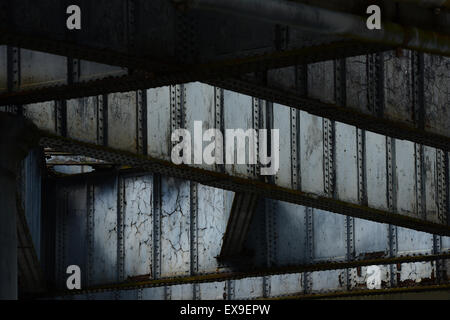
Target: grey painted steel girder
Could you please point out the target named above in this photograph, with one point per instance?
(382, 172)
(130, 249)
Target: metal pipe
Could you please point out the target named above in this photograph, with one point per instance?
(324, 21)
(429, 3)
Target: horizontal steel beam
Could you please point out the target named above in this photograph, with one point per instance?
(411, 103)
(337, 167)
(237, 184)
(286, 243)
(158, 38)
(421, 292)
(235, 276)
(324, 21)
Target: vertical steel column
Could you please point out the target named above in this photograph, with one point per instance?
(218, 119)
(270, 240)
(90, 235)
(418, 110)
(60, 245)
(141, 111)
(13, 75)
(391, 200)
(441, 185)
(156, 267)
(194, 236)
(120, 231)
(309, 241)
(375, 74)
(229, 288)
(102, 120)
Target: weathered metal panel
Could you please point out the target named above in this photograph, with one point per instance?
(398, 78)
(281, 121)
(329, 243)
(74, 231)
(93, 71)
(175, 226)
(406, 183)
(182, 292)
(430, 183)
(211, 225)
(82, 119)
(357, 83)
(291, 233)
(323, 281)
(237, 120)
(138, 222)
(346, 163)
(413, 242)
(199, 106)
(311, 159)
(38, 69)
(158, 108)
(153, 293)
(321, 81)
(445, 244)
(42, 115)
(128, 294)
(370, 237)
(104, 264)
(3, 69)
(31, 196)
(376, 170)
(248, 288)
(212, 291)
(122, 121)
(286, 284)
(437, 94)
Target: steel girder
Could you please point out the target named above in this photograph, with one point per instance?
(145, 217)
(328, 167)
(399, 94)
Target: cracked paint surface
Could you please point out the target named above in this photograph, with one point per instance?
(175, 227)
(138, 226)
